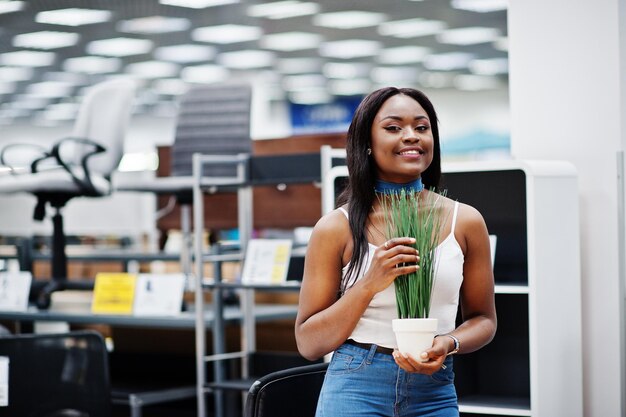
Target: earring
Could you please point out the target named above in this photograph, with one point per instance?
(369, 151)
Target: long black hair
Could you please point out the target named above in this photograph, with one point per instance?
(359, 194)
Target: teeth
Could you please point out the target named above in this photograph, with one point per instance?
(409, 153)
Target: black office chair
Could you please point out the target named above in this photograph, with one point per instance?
(57, 375)
(287, 393)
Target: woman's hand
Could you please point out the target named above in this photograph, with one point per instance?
(435, 355)
(387, 263)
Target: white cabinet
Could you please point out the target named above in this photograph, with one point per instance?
(533, 367)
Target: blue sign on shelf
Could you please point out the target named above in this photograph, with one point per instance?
(327, 117)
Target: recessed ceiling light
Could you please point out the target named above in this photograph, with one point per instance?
(204, 74)
(246, 59)
(226, 34)
(469, 82)
(45, 40)
(197, 4)
(394, 75)
(61, 111)
(348, 49)
(153, 69)
(299, 65)
(15, 74)
(448, 61)
(153, 24)
(92, 64)
(349, 19)
(403, 54)
(170, 86)
(319, 96)
(73, 16)
(11, 6)
(185, 53)
(491, 66)
(481, 6)
(350, 87)
(291, 41)
(66, 77)
(119, 47)
(501, 44)
(6, 87)
(468, 35)
(411, 28)
(283, 9)
(303, 82)
(436, 79)
(27, 58)
(343, 70)
(50, 89)
(30, 102)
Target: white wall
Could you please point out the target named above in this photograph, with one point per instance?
(565, 81)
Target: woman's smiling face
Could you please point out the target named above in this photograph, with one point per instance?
(402, 140)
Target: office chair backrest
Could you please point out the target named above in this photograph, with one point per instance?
(56, 375)
(212, 120)
(103, 118)
(287, 393)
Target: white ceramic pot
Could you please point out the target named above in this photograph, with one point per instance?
(414, 336)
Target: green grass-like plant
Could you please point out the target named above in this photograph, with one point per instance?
(420, 217)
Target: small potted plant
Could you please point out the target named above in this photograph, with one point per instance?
(417, 215)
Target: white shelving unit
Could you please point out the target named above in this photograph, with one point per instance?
(533, 367)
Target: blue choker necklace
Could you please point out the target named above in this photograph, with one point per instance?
(384, 187)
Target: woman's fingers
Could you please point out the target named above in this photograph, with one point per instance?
(398, 241)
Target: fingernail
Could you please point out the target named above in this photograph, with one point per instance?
(424, 355)
(405, 356)
(412, 240)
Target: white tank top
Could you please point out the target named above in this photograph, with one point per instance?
(375, 323)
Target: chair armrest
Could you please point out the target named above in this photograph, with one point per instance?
(5, 158)
(85, 184)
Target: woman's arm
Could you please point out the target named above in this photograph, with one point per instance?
(324, 322)
(477, 292)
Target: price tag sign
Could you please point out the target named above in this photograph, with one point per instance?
(114, 293)
(159, 294)
(14, 289)
(267, 261)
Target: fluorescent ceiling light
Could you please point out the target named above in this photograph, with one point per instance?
(343, 70)
(303, 82)
(349, 19)
(185, 53)
(6, 87)
(298, 65)
(45, 40)
(28, 102)
(153, 25)
(489, 66)
(470, 82)
(15, 74)
(204, 74)
(92, 65)
(197, 4)
(501, 44)
(170, 86)
(226, 34)
(153, 69)
(468, 35)
(11, 6)
(66, 77)
(61, 111)
(403, 54)
(348, 49)
(50, 89)
(27, 58)
(436, 79)
(394, 75)
(73, 17)
(448, 61)
(291, 41)
(481, 6)
(350, 87)
(246, 59)
(411, 28)
(310, 97)
(283, 9)
(119, 47)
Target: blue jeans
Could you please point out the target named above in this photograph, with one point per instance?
(361, 382)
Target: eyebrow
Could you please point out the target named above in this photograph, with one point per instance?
(400, 118)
